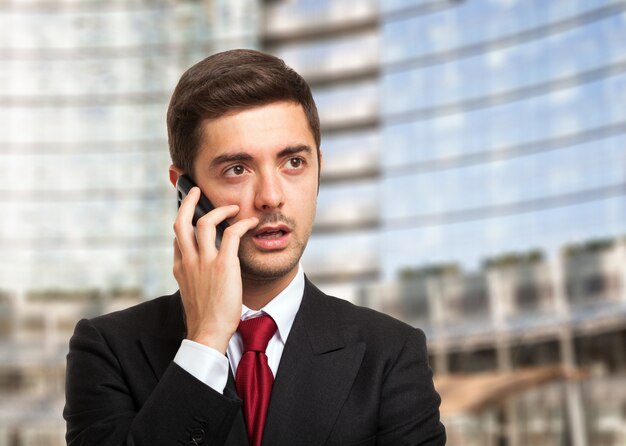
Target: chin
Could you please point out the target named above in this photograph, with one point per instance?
(268, 266)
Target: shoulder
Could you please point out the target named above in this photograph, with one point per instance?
(152, 316)
(392, 350)
(360, 323)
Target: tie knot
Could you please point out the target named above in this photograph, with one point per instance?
(257, 332)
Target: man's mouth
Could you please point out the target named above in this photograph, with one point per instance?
(277, 233)
(272, 237)
(270, 232)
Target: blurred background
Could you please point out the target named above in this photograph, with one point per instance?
(474, 186)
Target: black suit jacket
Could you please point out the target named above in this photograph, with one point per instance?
(348, 376)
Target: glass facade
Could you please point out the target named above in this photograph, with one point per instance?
(84, 90)
(87, 208)
(473, 184)
(512, 139)
(482, 139)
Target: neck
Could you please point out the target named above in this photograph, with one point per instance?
(258, 292)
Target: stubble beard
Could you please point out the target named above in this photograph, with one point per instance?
(273, 265)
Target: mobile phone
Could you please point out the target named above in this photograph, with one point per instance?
(204, 206)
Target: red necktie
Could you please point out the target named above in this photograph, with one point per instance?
(254, 377)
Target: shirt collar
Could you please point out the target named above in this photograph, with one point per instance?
(283, 307)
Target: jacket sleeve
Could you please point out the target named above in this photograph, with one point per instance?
(409, 408)
(102, 409)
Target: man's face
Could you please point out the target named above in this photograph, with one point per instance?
(264, 159)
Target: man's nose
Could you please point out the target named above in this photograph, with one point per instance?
(269, 193)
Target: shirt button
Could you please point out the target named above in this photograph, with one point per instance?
(197, 436)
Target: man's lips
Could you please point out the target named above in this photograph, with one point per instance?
(271, 231)
(272, 237)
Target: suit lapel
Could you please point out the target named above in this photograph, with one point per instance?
(161, 341)
(316, 372)
(160, 352)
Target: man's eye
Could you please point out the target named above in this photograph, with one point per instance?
(295, 163)
(236, 170)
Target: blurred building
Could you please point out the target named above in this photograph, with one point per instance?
(473, 185)
(528, 350)
(86, 204)
(467, 144)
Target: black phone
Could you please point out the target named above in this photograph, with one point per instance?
(204, 206)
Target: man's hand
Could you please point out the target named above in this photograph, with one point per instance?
(209, 279)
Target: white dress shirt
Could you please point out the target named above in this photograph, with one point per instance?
(211, 367)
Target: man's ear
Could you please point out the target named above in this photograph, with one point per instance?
(175, 172)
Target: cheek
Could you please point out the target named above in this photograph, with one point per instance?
(239, 196)
(245, 201)
(306, 201)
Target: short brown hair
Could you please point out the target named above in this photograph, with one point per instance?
(226, 82)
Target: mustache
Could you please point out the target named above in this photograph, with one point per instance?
(275, 217)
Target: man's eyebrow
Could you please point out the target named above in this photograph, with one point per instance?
(245, 156)
(294, 150)
(230, 158)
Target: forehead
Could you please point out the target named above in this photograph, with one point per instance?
(262, 129)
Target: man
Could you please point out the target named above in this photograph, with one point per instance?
(174, 370)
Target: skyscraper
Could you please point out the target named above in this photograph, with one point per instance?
(474, 185)
(86, 204)
(473, 180)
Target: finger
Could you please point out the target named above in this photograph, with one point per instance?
(177, 254)
(185, 234)
(232, 235)
(206, 228)
(177, 259)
